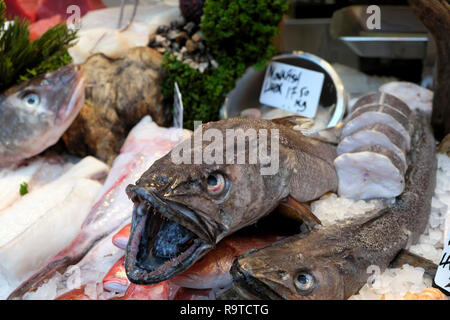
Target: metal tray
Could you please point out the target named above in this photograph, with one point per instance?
(402, 35)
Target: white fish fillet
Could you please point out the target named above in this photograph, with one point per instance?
(99, 32)
(35, 174)
(415, 96)
(368, 175)
(374, 117)
(43, 222)
(378, 134)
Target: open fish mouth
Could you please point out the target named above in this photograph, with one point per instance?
(166, 239)
(249, 287)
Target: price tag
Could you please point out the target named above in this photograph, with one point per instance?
(442, 278)
(292, 88)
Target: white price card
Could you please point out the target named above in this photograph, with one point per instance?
(442, 278)
(292, 88)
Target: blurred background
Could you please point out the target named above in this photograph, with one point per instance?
(335, 31)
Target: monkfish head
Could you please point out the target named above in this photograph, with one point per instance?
(182, 210)
(291, 269)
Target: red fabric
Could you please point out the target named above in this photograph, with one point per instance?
(49, 8)
(26, 9)
(38, 28)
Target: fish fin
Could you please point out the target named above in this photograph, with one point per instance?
(295, 210)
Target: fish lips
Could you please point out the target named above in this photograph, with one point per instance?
(150, 210)
(249, 287)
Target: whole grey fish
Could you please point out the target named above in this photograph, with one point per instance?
(332, 262)
(35, 113)
(183, 210)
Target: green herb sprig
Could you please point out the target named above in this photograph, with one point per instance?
(239, 34)
(23, 189)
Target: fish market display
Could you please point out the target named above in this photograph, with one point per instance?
(183, 210)
(371, 160)
(43, 222)
(210, 274)
(417, 97)
(99, 32)
(112, 210)
(332, 262)
(35, 113)
(119, 93)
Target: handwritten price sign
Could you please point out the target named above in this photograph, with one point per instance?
(442, 278)
(292, 88)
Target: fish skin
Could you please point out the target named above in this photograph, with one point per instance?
(120, 239)
(338, 256)
(160, 291)
(306, 172)
(213, 270)
(76, 294)
(27, 130)
(113, 209)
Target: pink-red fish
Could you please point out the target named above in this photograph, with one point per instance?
(120, 239)
(158, 291)
(213, 270)
(116, 279)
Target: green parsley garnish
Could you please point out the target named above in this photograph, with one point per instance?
(23, 189)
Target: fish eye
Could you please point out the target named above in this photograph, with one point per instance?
(31, 99)
(216, 183)
(305, 283)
